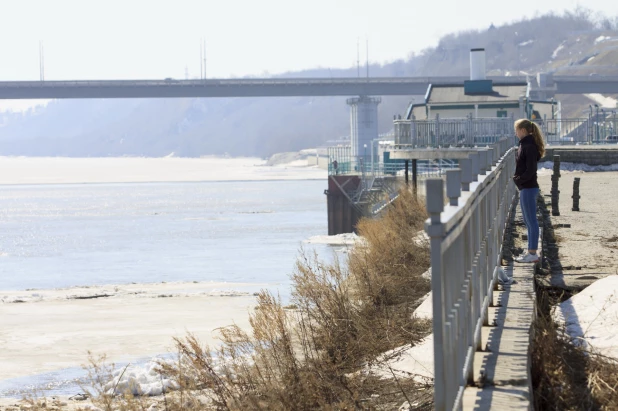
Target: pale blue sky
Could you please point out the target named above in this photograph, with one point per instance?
(106, 39)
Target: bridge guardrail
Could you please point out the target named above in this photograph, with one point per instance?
(466, 239)
(249, 81)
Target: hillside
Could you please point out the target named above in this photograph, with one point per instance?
(573, 43)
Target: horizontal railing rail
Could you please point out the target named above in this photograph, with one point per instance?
(598, 128)
(460, 132)
(466, 238)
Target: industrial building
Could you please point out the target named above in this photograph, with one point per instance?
(480, 97)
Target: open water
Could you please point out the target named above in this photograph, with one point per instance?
(55, 236)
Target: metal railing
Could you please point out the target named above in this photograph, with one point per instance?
(364, 166)
(460, 132)
(596, 129)
(466, 238)
(470, 132)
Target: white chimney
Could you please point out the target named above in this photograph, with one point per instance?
(477, 64)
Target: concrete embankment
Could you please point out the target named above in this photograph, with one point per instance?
(596, 155)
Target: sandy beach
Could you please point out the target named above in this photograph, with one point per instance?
(589, 243)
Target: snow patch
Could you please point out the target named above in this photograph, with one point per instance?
(427, 274)
(601, 39)
(425, 310)
(143, 381)
(558, 49)
(591, 317)
(295, 163)
(607, 102)
(546, 168)
(339, 239)
(127, 291)
(421, 239)
(415, 362)
(525, 43)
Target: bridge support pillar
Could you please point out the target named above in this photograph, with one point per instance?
(363, 124)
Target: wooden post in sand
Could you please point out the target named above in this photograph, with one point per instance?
(555, 193)
(575, 195)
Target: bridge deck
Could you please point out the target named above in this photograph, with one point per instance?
(275, 87)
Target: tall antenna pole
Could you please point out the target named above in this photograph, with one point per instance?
(204, 45)
(367, 58)
(201, 60)
(358, 57)
(41, 62)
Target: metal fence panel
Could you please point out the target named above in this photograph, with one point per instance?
(470, 132)
(466, 238)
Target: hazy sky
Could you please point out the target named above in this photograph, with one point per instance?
(106, 39)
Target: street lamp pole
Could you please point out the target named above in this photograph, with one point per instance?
(365, 155)
(590, 135)
(597, 120)
(373, 143)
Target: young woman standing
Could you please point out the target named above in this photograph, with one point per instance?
(531, 150)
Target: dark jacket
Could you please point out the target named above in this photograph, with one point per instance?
(527, 159)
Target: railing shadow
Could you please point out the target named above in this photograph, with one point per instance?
(549, 293)
(508, 389)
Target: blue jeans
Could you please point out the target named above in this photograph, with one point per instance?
(527, 201)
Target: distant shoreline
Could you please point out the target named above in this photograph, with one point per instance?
(133, 170)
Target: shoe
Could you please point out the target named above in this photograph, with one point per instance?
(527, 258)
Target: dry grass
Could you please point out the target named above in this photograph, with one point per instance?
(309, 357)
(566, 376)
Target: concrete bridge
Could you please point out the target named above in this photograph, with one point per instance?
(279, 87)
(544, 85)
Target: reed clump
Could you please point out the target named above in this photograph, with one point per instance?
(314, 354)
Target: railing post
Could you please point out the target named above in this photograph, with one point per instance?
(491, 158)
(476, 166)
(453, 185)
(488, 159)
(438, 138)
(466, 173)
(482, 162)
(435, 231)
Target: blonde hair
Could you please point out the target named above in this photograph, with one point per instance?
(534, 130)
